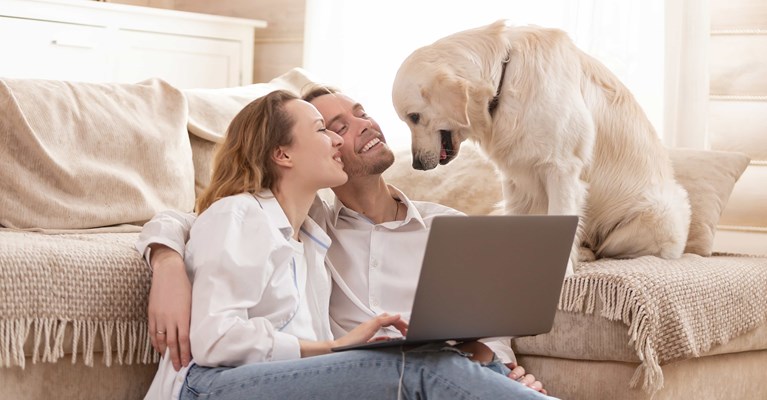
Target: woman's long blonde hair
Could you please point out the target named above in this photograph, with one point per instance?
(243, 162)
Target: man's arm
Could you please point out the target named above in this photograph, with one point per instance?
(162, 242)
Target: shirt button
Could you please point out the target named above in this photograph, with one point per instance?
(374, 302)
(374, 264)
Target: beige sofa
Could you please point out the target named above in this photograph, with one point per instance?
(73, 289)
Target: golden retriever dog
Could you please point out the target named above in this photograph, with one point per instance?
(565, 134)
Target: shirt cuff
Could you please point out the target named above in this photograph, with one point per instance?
(286, 347)
(502, 349)
(143, 247)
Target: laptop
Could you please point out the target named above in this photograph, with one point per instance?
(488, 276)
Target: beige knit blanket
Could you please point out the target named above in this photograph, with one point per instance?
(91, 286)
(674, 309)
(78, 155)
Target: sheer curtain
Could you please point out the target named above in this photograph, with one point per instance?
(358, 45)
(688, 30)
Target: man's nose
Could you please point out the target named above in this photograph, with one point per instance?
(364, 124)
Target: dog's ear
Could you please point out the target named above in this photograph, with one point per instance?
(449, 95)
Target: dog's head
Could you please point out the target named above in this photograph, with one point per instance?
(440, 93)
(434, 106)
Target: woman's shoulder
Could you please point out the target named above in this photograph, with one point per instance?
(236, 206)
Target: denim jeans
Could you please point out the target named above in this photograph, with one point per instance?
(434, 371)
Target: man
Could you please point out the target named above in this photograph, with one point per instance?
(379, 237)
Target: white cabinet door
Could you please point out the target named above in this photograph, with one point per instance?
(183, 61)
(52, 50)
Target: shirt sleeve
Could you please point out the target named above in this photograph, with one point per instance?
(502, 349)
(169, 228)
(230, 255)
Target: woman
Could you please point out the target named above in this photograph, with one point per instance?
(260, 291)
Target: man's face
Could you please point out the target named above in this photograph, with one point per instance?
(364, 151)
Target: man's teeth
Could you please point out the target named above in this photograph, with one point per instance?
(337, 159)
(370, 144)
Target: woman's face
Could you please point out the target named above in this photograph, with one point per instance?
(315, 151)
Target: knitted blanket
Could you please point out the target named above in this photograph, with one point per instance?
(674, 309)
(92, 285)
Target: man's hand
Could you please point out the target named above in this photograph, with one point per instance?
(170, 304)
(518, 374)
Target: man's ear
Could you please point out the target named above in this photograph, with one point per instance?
(281, 157)
(449, 94)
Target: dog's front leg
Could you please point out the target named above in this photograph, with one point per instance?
(566, 193)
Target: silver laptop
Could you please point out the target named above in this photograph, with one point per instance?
(488, 276)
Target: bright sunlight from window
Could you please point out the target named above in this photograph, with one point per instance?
(358, 45)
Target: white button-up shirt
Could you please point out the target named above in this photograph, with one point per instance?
(376, 267)
(251, 299)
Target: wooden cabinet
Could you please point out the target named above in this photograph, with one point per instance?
(97, 42)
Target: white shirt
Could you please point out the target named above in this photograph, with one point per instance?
(376, 267)
(247, 288)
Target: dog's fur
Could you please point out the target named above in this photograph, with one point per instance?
(567, 136)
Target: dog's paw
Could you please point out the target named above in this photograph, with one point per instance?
(586, 255)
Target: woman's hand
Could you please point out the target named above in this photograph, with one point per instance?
(365, 331)
(170, 305)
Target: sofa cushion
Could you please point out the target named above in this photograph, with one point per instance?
(670, 310)
(84, 155)
(709, 177)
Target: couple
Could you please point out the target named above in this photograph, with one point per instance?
(262, 317)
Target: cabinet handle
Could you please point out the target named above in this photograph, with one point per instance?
(72, 43)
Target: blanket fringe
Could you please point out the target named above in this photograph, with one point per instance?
(48, 337)
(618, 304)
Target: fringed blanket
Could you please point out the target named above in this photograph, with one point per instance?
(674, 309)
(95, 285)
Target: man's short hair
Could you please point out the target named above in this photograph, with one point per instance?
(314, 90)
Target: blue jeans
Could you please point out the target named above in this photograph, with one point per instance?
(430, 372)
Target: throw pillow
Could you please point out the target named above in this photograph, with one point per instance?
(708, 176)
(78, 155)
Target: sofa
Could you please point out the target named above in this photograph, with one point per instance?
(84, 165)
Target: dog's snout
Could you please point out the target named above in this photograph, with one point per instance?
(417, 164)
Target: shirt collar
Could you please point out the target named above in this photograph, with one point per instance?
(274, 212)
(412, 211)
(309, 229)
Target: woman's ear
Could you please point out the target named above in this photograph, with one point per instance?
(281, 157)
